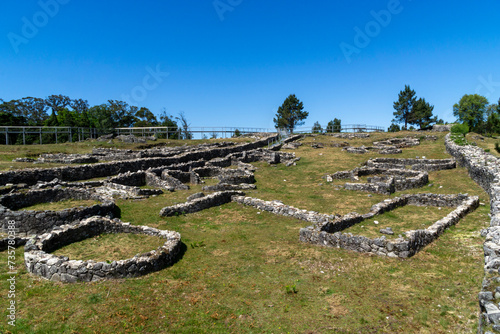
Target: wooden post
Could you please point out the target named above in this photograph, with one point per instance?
(56, 135)
(70, 136)
(24, 136)
(40, 130)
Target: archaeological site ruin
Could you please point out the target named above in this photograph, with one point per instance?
(105, 175)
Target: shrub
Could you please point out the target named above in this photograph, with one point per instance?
(291, 289)
(497, 147)
(460, 128)
(394, 128)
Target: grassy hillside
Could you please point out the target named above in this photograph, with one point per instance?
(245, 271)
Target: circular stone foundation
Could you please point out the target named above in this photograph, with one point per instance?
(40, 262)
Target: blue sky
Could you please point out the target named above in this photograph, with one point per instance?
(233, 62)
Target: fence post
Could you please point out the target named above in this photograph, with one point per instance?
(7, 136)
(40, 130)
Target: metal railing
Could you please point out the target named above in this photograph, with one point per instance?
(342, 128)
(10, 135)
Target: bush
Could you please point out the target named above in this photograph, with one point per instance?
(497, 147)
(394, 128)
(460, 128)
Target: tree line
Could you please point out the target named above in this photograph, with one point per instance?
(60, 110)
(478, 114)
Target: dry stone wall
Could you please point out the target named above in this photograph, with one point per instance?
(84, 172)
(415, 164)
(389, 181)
(278, 208)
(330, 233)
(164, 169)
(484, 169)
(199, 204)
(40, 262)
(32, 222)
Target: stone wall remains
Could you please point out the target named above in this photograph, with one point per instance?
(278, 208)
(40, 262)
(415, 164)
(484, 169)
(199, 204)
(84, 172)
(389, 181)
(329, 233)
(31, 222)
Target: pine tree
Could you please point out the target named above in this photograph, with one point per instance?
(290, 114)
(404, 106)
(421, 114)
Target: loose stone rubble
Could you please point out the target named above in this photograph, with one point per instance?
(484, 169)
(329, 233)
(40, 262)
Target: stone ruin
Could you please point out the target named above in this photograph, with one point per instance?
(391, 175)
(329, 233)
(40, 262)
(388, 146)
(385, 181)
(414, 164)
(484, 169)
(33, 222)
(162, 169)
(346, 135)
(168, 169)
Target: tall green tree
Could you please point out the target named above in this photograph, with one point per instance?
(57, 102)
(471, 110)
(33, 109)
(290, 114)
(421, 114)
(404, 106)
(122, 114)
(145, 118)
(100, 117)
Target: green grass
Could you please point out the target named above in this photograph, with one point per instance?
(238, 263)
(400, 220)
(61, 205)
(110, 247)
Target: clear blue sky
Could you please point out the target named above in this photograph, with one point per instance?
(233, 62)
